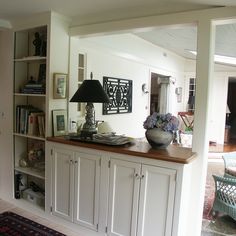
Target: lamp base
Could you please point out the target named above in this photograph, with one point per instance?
(85, 134)
(89, 127)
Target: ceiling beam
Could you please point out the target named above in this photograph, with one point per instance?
(153, 22)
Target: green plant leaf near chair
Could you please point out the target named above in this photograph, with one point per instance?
(225, 195)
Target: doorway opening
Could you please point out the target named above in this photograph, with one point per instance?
(155, 94)
(159, 97)
(230, 126)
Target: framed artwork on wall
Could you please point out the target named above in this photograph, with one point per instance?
(119, 92)
(59, 85)
(59, 122)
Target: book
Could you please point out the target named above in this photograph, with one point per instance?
(34, 86)
(41, 125)
(33, 126)
(26, 119)
(33, 90)
(23, 120)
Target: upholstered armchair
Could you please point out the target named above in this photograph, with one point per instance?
(225, 195)
(230, 164)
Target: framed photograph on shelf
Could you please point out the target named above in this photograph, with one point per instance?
(59, 86)
(59, 122)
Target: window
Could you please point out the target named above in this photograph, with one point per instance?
(191, 96)
(81, 76)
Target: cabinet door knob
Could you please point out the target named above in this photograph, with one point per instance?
(136, 175)
(76, 162)
(71, 161)
(142, 176)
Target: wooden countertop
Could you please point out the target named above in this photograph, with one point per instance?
(172, 153)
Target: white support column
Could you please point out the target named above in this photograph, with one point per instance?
(164, 94)
(204, 75)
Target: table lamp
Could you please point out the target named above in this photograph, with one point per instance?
(90, 91)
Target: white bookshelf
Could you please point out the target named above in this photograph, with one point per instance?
(30, 96)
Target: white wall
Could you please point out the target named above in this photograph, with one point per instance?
(128, 57)
(217, 111)
(6, 115)
(58, 61)
(219, 97)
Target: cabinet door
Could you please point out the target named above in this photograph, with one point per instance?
(156, 201)
(123, 198)
(62, 183)
(87, 179)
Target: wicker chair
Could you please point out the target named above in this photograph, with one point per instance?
(225, 195)
(230, 164)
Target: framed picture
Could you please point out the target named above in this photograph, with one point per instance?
(59, 86)
(59, 122)
(119, 92)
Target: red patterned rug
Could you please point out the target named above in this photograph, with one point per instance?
(12, 224)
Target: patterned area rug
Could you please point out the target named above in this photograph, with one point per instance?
(208, 202)
(12, 224)
(216, 168)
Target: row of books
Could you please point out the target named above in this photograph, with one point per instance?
(33, 89)
(30, 121)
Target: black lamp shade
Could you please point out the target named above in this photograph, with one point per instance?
(90, 91)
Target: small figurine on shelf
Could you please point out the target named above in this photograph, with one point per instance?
(37, 43)
(31, 81)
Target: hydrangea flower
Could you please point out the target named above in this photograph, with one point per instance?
(166, 122)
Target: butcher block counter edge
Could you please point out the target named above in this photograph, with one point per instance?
(173, 153)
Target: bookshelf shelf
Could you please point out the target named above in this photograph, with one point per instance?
(31, 171)
(30, 95)
(23, 203)
(30, 59)
(29, 136)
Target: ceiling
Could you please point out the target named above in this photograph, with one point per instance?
(103, 10)
(182, 40)
(91, 11)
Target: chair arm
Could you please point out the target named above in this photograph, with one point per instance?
(231, 181)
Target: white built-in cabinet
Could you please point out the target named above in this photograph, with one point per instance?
(156, 201)
(141, 199)
(75, 184)
(63, 183)
(123, 197)
(140, 196)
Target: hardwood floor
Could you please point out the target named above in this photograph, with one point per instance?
(227, 147)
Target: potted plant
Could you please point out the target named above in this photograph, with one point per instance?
(160, 129)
